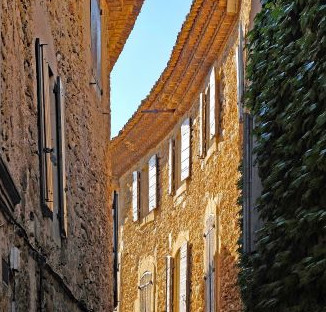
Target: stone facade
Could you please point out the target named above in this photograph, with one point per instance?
(56, 271)
(209, 193)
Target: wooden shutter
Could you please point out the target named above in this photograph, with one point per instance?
(210, 247)
(60, 112)
(169, 284)
(152, 183)
(202, 128)
(171, 166)
(40, 103)
(212, 124)
(240, 71)
(185, 149)
(184, 278)
(49, 144)
(135, 195)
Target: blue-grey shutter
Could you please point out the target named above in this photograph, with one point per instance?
(135, 195)
(152, 183)
(185, 149)
(212, 92)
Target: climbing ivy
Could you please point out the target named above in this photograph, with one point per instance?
(287, 96)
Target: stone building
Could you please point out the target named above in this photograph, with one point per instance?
(55, 219)
(176, 169)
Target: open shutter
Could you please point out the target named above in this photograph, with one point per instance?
(184, 278)
(48, 143)
(152, 183)
(212, 126)
(171, 166)
(169, 284)
(60, 104)
(207, 279)
(40, 103)
(240, 71)
(135, 195)
(202, 128)
(185, 149)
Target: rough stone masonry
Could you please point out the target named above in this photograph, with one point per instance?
(42, 269)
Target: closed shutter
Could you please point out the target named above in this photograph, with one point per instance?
(152, 183)
(60, 112)
(49, 144)
(169, 284)
(135, 195)
(212, 126)
(184, 278)
(210, 265)
(146, 289)
(202, 128)
(185, 149)
(171, 166)
(240, 71)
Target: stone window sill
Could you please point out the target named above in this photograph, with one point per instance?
(182, 189)
(149, 218)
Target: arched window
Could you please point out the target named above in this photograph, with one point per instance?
(145, 288)
(177, 280)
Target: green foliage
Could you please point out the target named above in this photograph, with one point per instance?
(287, 96)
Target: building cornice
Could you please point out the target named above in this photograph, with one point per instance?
(122, 15)
(199, 43)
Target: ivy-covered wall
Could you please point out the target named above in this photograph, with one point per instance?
(287, 96)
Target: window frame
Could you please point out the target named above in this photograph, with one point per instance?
(51, 141)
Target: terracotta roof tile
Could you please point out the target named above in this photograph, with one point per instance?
(200, 39)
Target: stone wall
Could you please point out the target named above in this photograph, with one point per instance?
(56, 274)
(211, 189)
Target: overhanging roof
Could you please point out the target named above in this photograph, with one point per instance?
(200, 41)
(122, 16)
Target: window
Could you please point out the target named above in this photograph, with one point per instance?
(9, 195)
(171, 166)
(251, 188)
(96, 38)
(143, 198)
(185, 150)
(145, 189)
(146, 292)
(51, 124)
(152, 183)
(210, 249)
(135, 194)
(5, 272)
(180, 156)
(177, 280)
(210, 107)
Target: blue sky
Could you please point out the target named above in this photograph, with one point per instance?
(145, 56)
